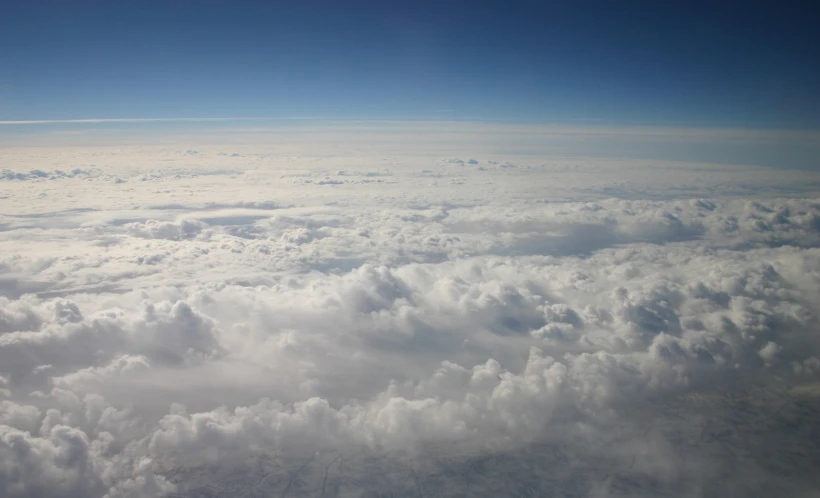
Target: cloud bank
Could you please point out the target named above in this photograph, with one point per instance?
(217, 321)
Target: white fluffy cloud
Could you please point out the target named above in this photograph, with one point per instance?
(472, 326)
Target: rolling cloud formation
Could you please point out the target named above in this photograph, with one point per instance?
(241, 320)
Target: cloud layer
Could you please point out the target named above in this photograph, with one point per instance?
(208, 320)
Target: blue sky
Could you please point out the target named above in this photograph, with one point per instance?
(669, 63)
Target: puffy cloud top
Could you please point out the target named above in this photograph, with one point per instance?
(475, 337)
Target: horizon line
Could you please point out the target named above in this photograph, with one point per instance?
(598, 124)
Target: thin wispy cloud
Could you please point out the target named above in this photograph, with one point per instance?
(151, 120)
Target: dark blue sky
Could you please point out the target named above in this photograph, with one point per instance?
(716, 63)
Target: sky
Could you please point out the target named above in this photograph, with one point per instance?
(751, 64)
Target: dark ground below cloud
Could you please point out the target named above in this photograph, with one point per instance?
(748, 443)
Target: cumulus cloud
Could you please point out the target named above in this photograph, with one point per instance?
(498, 330)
